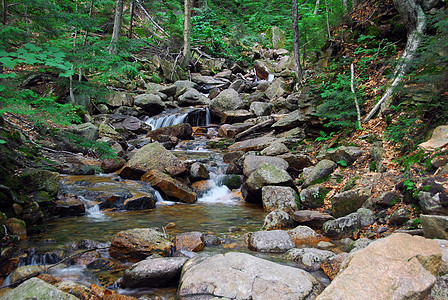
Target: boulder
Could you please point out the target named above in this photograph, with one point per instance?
(198, 172)
(438, 139)
(189, 241)
(226, 100)
(349, 201)
(332, 265)
(110, 165)
(433, 198)
(140, 202)
(277, 37)
(289, 121)
(265, 174)
(252, 162)
(305, 236)
(139, 243)
(276, 89)
(231, 130)
(256, 144)
(277, 219)
(182, 131)
(152, 104)
(153, 272)
(342, 227)
(313, 196)
(260, 108)
(261, 70)
(192, 97)
(275, 149)
(118, 99)
(397, 267)
(75, 289)
(36, 288)
(243, 276)
(297, 162)
(323, 169)
(434, 227)
(32, 180)
(308, 259)
(344, 153)
(274, 241)
(68, 207)
(279, 197)
(311, 218)
(235, 116)
(149, 157)
(87, 130)
(173, 189)
(377, 153)
(25, 272)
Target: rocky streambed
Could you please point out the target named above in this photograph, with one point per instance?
(282, 216)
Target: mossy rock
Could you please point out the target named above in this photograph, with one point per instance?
(40, 180)
(233, 181)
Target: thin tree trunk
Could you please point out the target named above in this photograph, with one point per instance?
(132, 19)
(328, 20)
(90, 17)
(316, 8)
(295, 30)
(113, 48)
(352, 86)
(26, 21)
(345, 4)
(4, 12)
(151, 19)
(416, 21)
(187, 33)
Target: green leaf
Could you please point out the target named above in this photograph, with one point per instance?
(2, 87)
(8, 62)
(2, 141)
(8, 75)
(32, 47)
(342, 163)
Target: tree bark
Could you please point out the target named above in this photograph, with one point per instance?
(131, 22)
(316, 8)
(187, 33)
(352, 86)
(4, 12)
(328, 20)
(295, 30)
(415, 21)
(117, 28)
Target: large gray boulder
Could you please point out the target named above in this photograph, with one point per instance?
(36, 288)
(323, 169)
(243, 276)
(342, 227)
(192, 97)
(266, 174)
(227, 100)
(261, 108)
(313, 196)
(149, 157)
(153, 272)
(118, 99)
(344, 153)
(256, 144)
(274, 241)
(252, 162)
(312, 218)
(152, 104)
(289, 121)
(435, 227)
(87, 130)
(400, 266)
(277, 88)
(349, 201)
(279, 197)
(278, 219)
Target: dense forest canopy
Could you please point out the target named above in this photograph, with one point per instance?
(69, 41)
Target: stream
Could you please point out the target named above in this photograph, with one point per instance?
(218, 211)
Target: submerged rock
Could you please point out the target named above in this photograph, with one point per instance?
(274, 241)
(139, 243)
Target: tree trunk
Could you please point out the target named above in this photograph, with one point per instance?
(90, 17)
(316, 8)
(295, 30)
(415, 21)
(132, 19)
(187, 32)
(4, 12)
(117, 28)
(352, 87)
(328, 20)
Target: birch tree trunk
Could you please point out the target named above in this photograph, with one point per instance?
(4, 12)
(415, 21)
(117, 28)
(187, 33)
(295, 30)
(316, 8)
(132, 18)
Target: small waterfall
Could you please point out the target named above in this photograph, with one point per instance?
(92, 209)
(157, 122)
(198, 116)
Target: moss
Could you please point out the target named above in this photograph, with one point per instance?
(351, 183)
(232, 181)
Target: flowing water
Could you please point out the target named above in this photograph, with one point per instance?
(218, 211)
